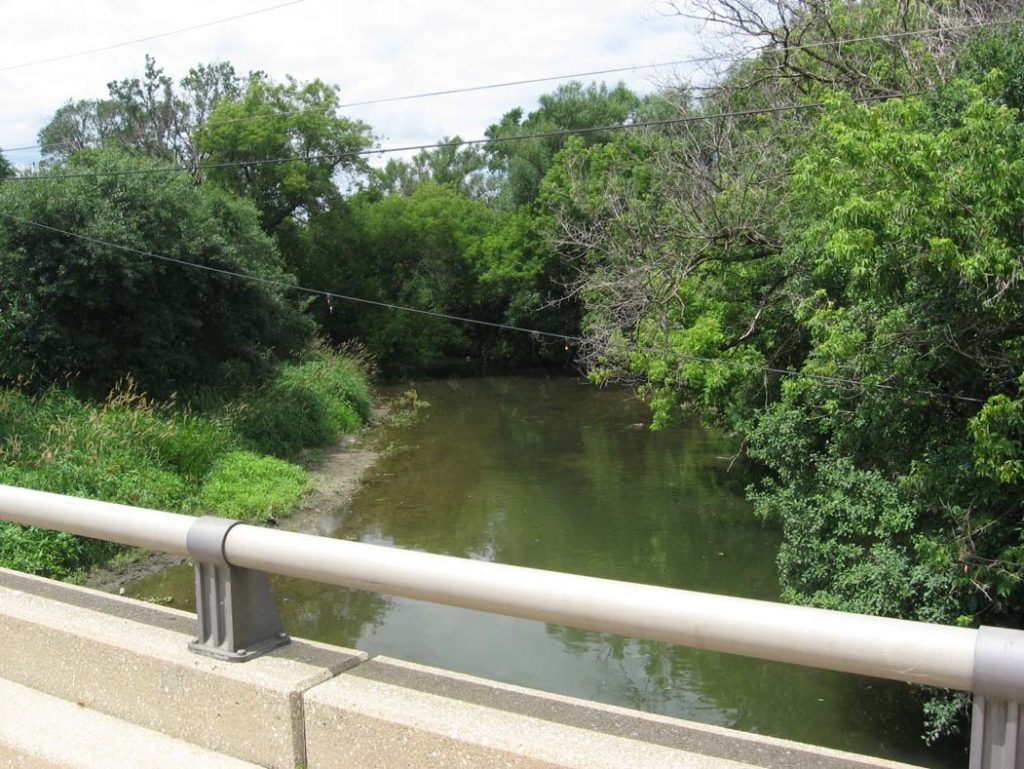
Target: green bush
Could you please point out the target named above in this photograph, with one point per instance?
(132, 450)
(48, 553)
(76, 305)
(111, 451)
(310, 404)
(194, 444)
(251, 487)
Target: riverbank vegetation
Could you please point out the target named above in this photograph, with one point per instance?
(838, 285)
(818, 249)
(237, 459)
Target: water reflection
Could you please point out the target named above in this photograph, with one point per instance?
(558, 475)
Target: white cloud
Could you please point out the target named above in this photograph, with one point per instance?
(371, 50)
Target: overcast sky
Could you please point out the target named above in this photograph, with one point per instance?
(370, 49)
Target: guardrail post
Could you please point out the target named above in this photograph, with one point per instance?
(997, 737)
(238, 618)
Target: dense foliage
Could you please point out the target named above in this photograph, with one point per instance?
(441, 252)
(523, 164)
(147, 114)
(841, 289)
(822, 257)
(130, 449)
(296, 126)
(80, 306)
(455, 230)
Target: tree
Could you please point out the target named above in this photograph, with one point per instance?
(146, 111)
(201, 91)
(523, 163)
(146, 115)
(296, 127)
(417, 251)
(840, 289)
(82, 309)
(464, 168)
(890, 52)
(77, 125)
(666, 226)
(913, 282)
(6, 168)
(887, 259)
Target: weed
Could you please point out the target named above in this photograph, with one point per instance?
(310, 404)
(133, 450)
(251, 487)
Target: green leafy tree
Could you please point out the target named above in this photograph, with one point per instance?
(998, 48)
(146, 115)
(296, 126)
(523, 163)
(893, 265)
(6, 168)
(397, 177)
(872, 250)
(464, 168)
(437, 250)
(417, 251)
(79, 308)
(912, 281)
(904, 502)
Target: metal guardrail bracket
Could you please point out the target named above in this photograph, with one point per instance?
(238, 619)
(997, 736)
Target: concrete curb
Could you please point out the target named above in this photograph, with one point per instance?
(130, 660)
(324, 707)
(40, 731)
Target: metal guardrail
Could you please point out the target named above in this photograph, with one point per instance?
(238, 619)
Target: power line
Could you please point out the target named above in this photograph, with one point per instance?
(535, 333)
(285, 285)
(615, 70)
(65, 56)
(552, 78)
(439, 145)
(36, 147)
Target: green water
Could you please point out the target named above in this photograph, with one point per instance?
(556, 474)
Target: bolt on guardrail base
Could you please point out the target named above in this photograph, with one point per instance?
(238, 619)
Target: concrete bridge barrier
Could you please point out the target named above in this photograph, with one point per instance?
(89, 680)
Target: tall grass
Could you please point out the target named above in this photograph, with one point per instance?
(132, 450)
(309, 404)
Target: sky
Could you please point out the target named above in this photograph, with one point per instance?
(370, 50)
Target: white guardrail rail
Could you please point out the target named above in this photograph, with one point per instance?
(238, 618)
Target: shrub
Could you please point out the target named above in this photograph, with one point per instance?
(73, 305)
(311, 403)
(251, 487)
(132, 450)
(49, 554)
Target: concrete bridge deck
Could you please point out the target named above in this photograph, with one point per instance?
(89, 679)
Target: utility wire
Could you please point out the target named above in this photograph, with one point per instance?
(551, 78)
(535, 333)
(592, 73)
(285, 285)
(65, 56)
(26, 147)
(439, 145)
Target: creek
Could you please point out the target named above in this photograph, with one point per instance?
(557, 474)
